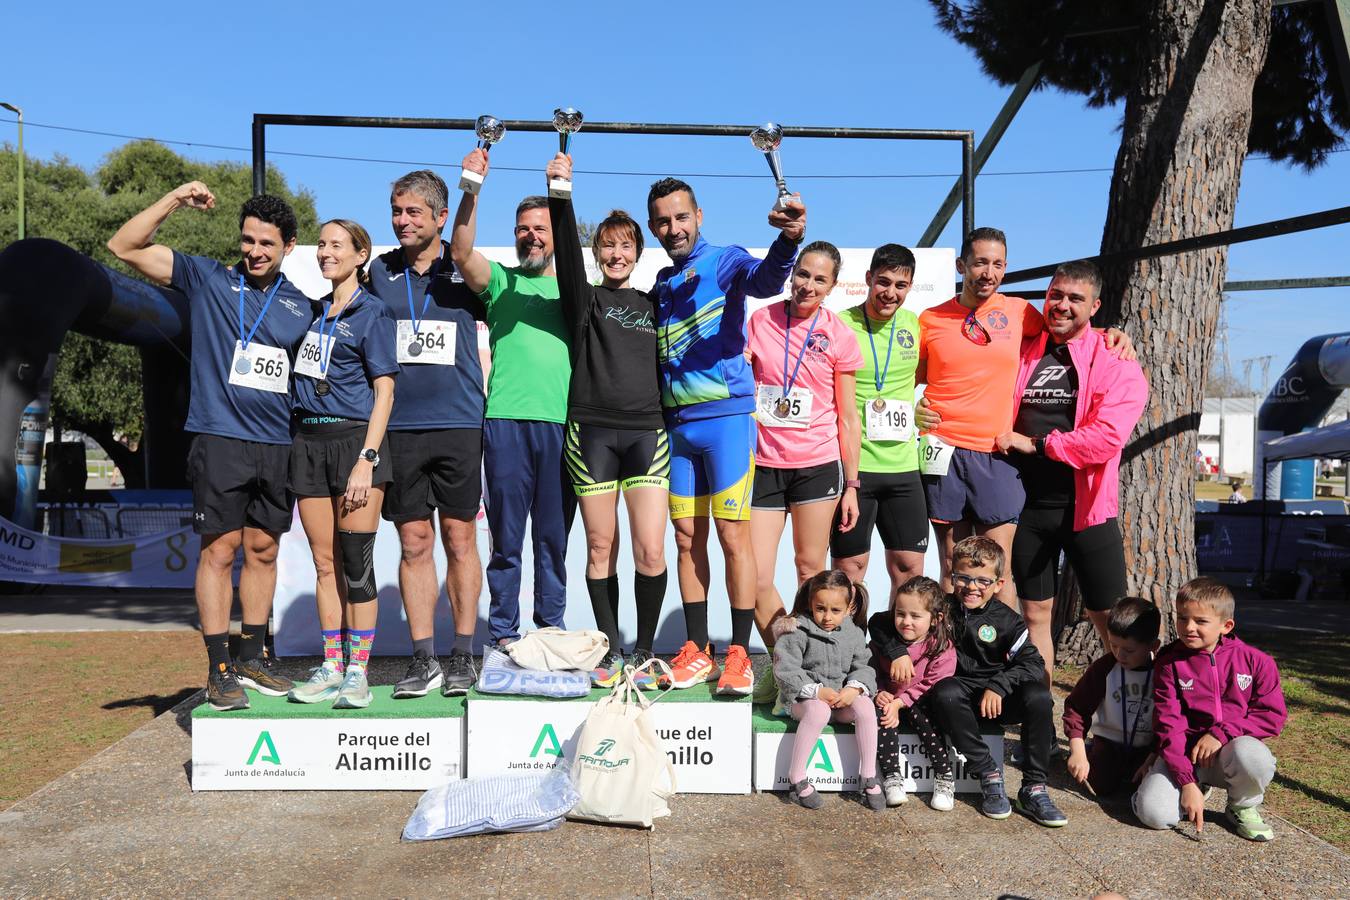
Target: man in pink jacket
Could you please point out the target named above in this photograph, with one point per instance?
(1215, 700)
(1074, 407)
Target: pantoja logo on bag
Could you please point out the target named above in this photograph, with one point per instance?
(596, 756)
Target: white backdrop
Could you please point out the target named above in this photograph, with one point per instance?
(297, 627)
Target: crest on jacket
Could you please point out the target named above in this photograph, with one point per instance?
(1186, 684)
(1244, 681)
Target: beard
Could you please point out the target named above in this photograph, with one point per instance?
(532, 264)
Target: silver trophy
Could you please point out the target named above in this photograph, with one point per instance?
(767, 138)
(567, 122)
(489, 130)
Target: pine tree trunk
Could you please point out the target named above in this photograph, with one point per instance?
(1183, 141)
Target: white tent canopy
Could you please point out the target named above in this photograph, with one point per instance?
(1331, 442)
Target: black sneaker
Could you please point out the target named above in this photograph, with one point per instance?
(224, 692)
(1034, 801)
(460, 673)
(424, 675)
(994, 800)
(257, 675)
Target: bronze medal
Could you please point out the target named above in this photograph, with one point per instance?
(879, 405)
(322, 388)
(415, 348)
(782, 408)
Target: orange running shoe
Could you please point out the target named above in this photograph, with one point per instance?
(737, 676)
(692, 666)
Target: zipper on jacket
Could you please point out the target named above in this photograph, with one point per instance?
(1218, 689)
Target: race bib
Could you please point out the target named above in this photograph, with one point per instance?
(894, 421)
(935, 455)
(775, 411)
(308, 359)
(261, 368)
(435, 343)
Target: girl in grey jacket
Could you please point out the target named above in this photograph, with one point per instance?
(824, 675)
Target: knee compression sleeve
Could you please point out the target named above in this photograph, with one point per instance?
(358, 564)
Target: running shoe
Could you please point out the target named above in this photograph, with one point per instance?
(894, 788)
(1033, 801)
(692, 666)
(608, 671)
(424, 676)
(994, 802)
(323, 684)
(354, 693)
(766, 687)
(460, 673)
(257, 675)
(737, 676)
(224, 692)
(944, 795)
(645, 680)
(1249, 824)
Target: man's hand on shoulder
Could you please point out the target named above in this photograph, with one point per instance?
(791, 221)
(1120, 345)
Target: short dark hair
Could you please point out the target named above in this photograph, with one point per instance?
(980, 551)
(534, 201)
(666, 187)
(1209, 592)
(983, 234)
(273, 211)
(1081, 270)
(426, 184)
(892, 256)
(1136, 619)
(826, 249)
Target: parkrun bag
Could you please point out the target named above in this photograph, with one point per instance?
(501, 675)
(620, 769)
(556, 649)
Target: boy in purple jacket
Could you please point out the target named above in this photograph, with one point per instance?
(1215, 700)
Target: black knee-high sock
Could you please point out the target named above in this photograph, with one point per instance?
(612, 594)
(696, 623)
(742, 620)
(600, 590)
(650, 592)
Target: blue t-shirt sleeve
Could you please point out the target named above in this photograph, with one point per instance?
(189, 272)
(378, 348)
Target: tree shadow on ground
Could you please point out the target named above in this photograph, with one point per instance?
(158, 703)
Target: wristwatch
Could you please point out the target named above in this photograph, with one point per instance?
(1039, 444)
(371, 456)
(853, 483)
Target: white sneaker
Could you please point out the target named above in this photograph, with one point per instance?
(355, 691)
(894, 788)
(944, 795)
(323, 684)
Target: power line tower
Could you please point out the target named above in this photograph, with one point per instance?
(1265, 372)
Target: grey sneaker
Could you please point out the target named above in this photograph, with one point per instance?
(944, 795)
(354, 692)
(460, 674)
(894, 788)
(323, 684)
(424, 676)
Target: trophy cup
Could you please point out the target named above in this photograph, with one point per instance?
(767, 137)
(567, 121)
(489, 130)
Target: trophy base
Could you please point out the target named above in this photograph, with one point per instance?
(559, 189)
(470, 182)
(781, 204)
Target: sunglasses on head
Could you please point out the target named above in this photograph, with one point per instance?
(974, 331)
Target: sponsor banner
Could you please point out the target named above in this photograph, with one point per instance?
(164, 560)
(833, 763)
(321, 754)
(707, 743)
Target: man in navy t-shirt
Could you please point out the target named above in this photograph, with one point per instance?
(436, 430)
(247, 322)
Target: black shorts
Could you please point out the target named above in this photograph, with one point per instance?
(893, 503)
(438, 470)
(601, 460)
(1097, 555)
(237, 483)
(782, 488)
(322, 460)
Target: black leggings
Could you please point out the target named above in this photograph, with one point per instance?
(914, 718)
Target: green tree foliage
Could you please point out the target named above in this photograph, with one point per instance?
(97, 389)
(1299, 108)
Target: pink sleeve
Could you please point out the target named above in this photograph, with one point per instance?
(848, 355)
(928, 672)
(1108, 425)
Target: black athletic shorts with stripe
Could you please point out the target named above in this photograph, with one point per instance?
(601, 460)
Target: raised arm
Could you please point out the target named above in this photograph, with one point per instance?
(134, 243)
(574, 290)
(473, 265)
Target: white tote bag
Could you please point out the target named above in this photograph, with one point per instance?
(556, 650)
(621, 771)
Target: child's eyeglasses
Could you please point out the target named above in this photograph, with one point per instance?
(974, 331)
(964, 580)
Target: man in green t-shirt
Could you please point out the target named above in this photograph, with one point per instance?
(526, 409)
(891, 493)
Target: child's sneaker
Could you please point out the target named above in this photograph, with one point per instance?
(1033, 801)
(692, 666)
(894, 786)
(944, 794)
(1249, 824)
(994, 803)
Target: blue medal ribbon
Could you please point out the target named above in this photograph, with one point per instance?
(244, 339)
(329, 341)
(426, 301)
(878, 373)
(787, 335)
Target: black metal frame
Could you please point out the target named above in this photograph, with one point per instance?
(966, 138)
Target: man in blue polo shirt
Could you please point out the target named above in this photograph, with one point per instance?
(247, 323)
(436, 430)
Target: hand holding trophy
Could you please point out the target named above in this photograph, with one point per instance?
(767, 138)
(567, 122)
(489, 130)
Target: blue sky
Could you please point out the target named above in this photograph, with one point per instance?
(198, 72)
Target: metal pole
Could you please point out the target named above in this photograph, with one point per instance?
(18, 112)
(968, 180)
(259, 156)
